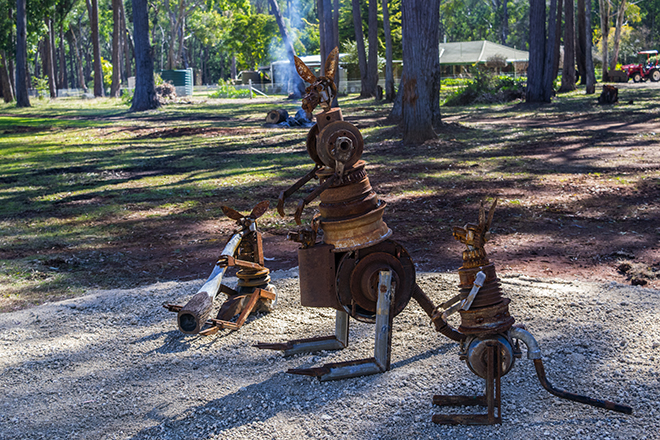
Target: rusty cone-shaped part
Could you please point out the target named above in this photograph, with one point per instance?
(489, 311)
(357, 232)
(351, 214)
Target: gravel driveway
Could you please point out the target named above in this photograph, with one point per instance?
(112, 365)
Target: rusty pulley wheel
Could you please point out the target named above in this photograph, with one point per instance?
(311, 144)
(340, 141)
(357, 279)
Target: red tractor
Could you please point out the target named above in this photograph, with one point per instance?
(643, 71)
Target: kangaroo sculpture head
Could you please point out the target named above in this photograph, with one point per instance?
(322, 90)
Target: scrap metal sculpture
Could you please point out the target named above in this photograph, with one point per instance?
(356, 268)
(254, 291)
(488, 338)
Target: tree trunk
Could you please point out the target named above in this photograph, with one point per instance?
(7, 92)
(372, 63)
(328, 39)
(568, 70)
(335, 43)
(93, 8)
(22, 98)
(327, 42)
(116, 48)
(144, 97)
(505, 22)
(64, 80)
(557, 46)
(537, 42)
(591, 74)
(548, 78)
(359, 43)
(295, 84)
(421, 69)
(73, 44)
(389, 72)
(335, 25)
(126, 40)
(604, 31)
(617, 33)
(49, 59)
(320, 9)
(581, 44)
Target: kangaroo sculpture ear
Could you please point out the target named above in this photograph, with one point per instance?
(232, 213)
(259, 210)
(304, 71)
(491, 212)
(331, 64)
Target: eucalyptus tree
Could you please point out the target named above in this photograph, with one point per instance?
(419, 100)
(389, 73)
(6, 47)
(568, 69)
(144, 97)
(541, 51)
(361, 52)
(93, 8)
(22, 98)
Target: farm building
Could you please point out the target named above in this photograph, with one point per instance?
(457, 58)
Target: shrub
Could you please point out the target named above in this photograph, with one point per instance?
(487, 88)
(41, 86)
(227, 90)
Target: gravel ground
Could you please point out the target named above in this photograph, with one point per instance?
(112, 365)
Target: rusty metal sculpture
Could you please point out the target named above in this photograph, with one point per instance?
(488, 338)
(254, 292)
(356, 268)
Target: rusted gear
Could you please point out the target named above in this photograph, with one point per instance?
(311, 145)
(340, 141)
(358, 270)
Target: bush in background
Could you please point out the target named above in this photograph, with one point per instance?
(487, 88)
(227, 90)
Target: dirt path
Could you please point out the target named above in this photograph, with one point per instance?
(111, 365)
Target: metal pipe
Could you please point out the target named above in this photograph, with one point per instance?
(533, 350)
(441, 326)
(192, 317)
(383, 341)
(540, 372)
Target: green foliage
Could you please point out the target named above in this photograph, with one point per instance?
(472, 20)
(455, 82)
(251, 36)
(41, 86)
(487, 88)
(227, 90)
(106, 66)
(127, 96)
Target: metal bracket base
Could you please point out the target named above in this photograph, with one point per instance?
(492, 399)
(382, 345)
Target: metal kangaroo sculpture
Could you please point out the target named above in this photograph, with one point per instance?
(357, 269)
(254, 292)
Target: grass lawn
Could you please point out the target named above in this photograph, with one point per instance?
(93, 196)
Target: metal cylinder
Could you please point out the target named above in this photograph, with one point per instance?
(476, 354)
